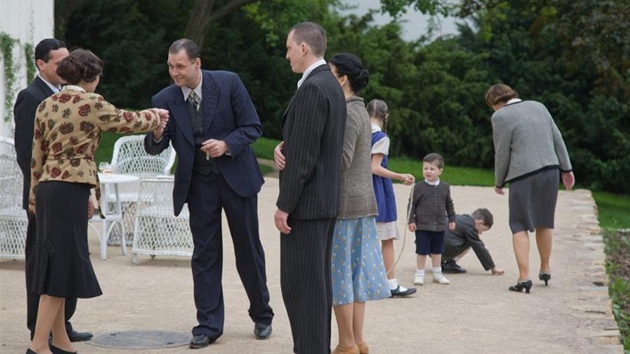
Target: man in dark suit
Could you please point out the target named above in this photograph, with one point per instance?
(48, 54)
(310, 161)
(212, 124)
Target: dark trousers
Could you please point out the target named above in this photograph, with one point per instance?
(306, 283)
(208, 195)
(32, 299)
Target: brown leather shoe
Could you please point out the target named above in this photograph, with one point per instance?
(342, 350)
(363, 348)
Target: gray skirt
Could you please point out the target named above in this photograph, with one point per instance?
(533, 201)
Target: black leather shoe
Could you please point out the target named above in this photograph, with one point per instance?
(520, 285)
(262, 331)
(56, 350)
(450, 267)
(201, 341)
(79, 336)
(406, 292)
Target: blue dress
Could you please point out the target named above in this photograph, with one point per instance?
(357, 269)
(383, 189)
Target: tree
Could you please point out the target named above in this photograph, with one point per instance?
(204, 12)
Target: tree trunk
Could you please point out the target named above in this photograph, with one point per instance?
(203, 13)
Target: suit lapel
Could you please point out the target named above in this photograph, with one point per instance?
(43, 88)
(209, 100)
(315, 71)
(286, 111)
(181, 114)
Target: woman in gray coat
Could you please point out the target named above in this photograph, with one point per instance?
(529, 155)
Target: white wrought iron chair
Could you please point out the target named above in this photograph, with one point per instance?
(130, 158)
(13, 220)
(157, 231)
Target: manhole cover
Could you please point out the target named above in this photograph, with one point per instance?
(140, 340)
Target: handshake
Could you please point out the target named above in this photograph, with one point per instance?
(163, 113)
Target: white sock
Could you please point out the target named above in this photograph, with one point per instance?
(437, 270)
(393, 284)
(420, 272)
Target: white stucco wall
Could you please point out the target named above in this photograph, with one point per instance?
(28, 21)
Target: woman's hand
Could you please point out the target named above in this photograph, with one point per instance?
(499, 190)
(412, 227)
(568, 179)
(278, 156)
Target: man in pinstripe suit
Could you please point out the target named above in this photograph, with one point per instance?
(212, 124)
(310, 162)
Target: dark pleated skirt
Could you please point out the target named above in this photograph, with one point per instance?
(533, 201)
(63, 267)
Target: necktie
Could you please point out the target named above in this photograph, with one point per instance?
(194, 100)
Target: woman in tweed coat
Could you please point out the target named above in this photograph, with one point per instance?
(358, 273)
(68, 127)
(530, 155)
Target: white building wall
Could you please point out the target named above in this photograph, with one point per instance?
(27, 21)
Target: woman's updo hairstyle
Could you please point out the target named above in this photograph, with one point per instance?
(499, 93)
(351, 66)
(81, 64)
(378, 109)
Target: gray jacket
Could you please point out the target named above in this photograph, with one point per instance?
(466, 235)
(526, 140)
(356, 195)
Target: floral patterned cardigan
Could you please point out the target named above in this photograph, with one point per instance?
(68, 127)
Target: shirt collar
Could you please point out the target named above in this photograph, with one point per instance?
(513, 100)
(73, 88)
(186, 90)
(308, 71)
(376, 128)
(54, 88)
(436, 183)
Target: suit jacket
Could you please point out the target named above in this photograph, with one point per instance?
(466, 235)
(526, 140)
(312, 130)
(228, 114)
(24, 117)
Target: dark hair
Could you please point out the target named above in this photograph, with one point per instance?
(484, 215)
(434, 158)
(43, 48)
(312, 34)
(499, 93)
(351, 66)
(191, 48)
(81, 64)
(378, 109)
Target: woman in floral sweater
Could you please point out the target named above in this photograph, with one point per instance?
(68, 127)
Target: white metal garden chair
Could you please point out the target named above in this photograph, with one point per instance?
(130, 158)
(13, 220)
(157, 231)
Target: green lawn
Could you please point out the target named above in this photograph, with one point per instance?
(613, 210)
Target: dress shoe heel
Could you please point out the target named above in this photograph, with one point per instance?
(343, 350)
(56, 350)
(544, 276)
(30, 351)
(525, 284)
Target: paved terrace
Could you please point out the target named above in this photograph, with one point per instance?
(474, 314)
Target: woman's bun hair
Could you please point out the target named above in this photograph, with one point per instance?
(80, 65)
(350, 65)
